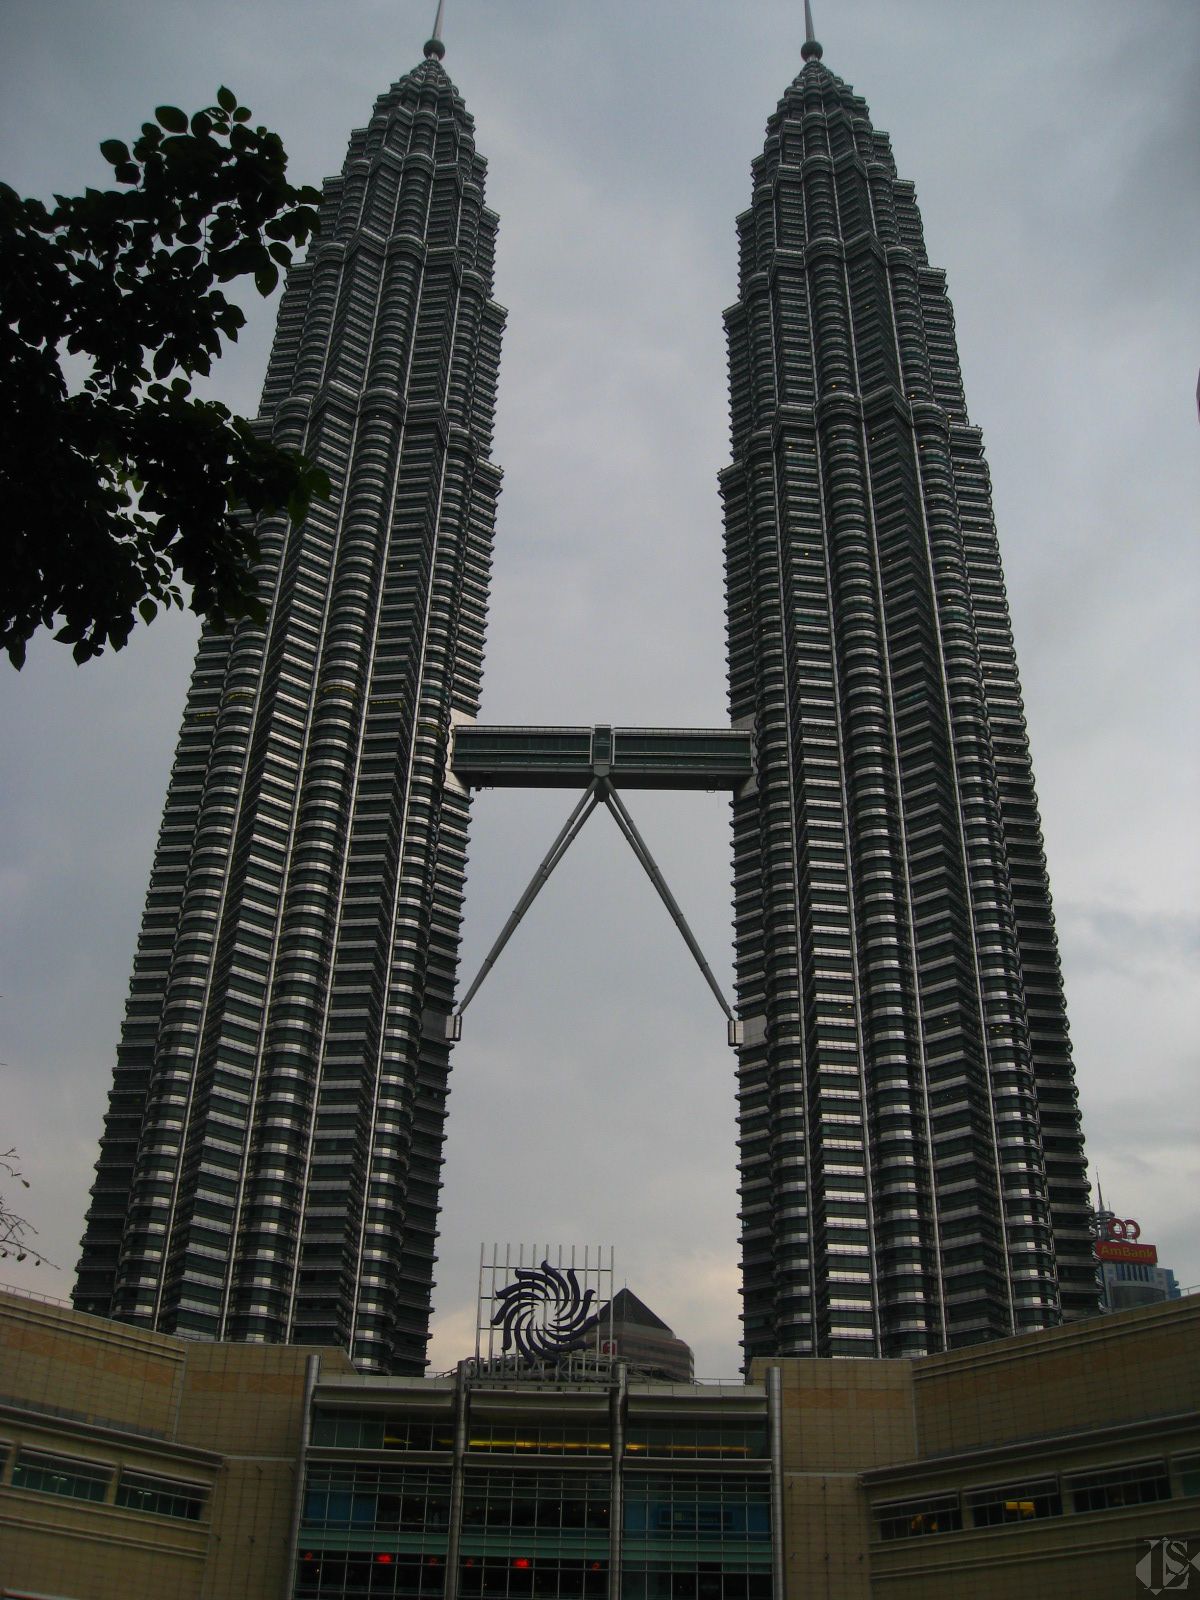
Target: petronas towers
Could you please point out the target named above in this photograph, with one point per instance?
(912, 1172)
(912, 1169)
(271, 1157)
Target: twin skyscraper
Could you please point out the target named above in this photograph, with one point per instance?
(912, 1170)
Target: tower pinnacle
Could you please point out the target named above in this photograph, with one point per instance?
(810, 50)
(434, 45)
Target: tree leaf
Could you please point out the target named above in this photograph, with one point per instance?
(226, 99)
(126, 482)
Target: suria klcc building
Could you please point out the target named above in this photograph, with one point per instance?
(912, 1174)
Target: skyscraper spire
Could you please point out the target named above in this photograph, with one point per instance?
(434, 45)
(810, 50)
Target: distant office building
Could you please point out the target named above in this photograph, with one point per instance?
(632, 1333)
(1129, 1271)
(1134, 1283)
(912, 1168)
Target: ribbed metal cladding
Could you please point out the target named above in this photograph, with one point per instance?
(912, 1171)
(271, 1159)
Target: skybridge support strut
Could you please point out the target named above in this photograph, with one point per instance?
(566, 836)
(642, 851)
(600, 789)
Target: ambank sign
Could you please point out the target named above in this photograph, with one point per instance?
(1118, 1242)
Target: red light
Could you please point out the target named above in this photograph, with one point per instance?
(384, 1560)
(433, 1562)
(308, 1556)
(522, 1561)
(469, 1562)
(596, 1567)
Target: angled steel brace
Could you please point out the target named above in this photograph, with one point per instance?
(566, 837)
(599, 789)
(641, 850)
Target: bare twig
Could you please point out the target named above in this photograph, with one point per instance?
(15, 1230)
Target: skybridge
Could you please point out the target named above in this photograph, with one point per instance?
(600, 760)
(485, 757)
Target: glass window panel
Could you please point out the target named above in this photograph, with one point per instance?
(1021, 1502)
(915, 1519)
(1120, 1486)
(163, 1497)
(77, 1480)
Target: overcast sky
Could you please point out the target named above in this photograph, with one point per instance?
(1053, 148)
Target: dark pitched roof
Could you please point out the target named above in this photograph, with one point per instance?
(627, 1308)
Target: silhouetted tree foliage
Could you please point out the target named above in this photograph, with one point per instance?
(14, 1228)
(115, 494)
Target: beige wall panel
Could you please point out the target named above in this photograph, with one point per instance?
(79, 1552)
(840, 1415)
(251, 1519)
(103, 1372)
(825, 1538)
(244, 1399)
(1085, 1558)
(56, 1436)
(1113, 1369)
